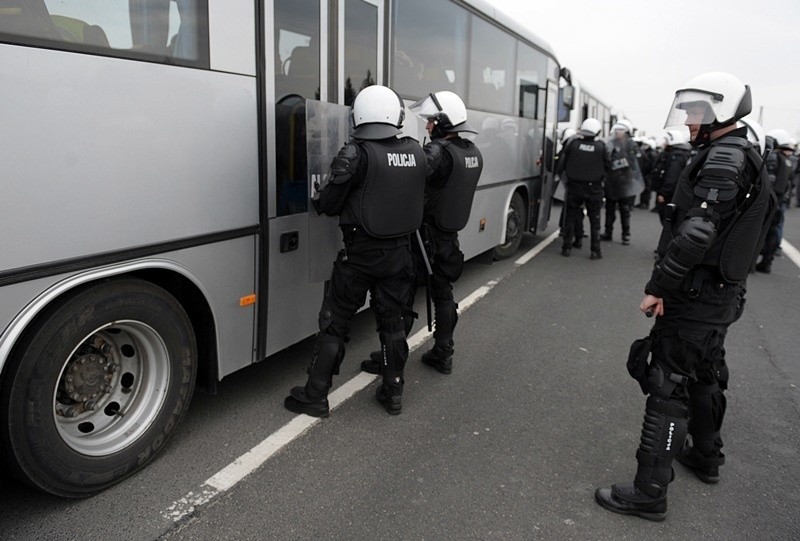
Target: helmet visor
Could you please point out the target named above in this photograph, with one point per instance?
(426, 107)
(692, 107)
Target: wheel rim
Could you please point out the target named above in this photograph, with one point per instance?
(111, 388)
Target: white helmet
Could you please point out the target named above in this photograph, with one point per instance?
(378, 113)
(568, 132)
(714, 100)
(445, 109)
(591, 127)
(676, 137)
(755, 133)
(782, 139)
(623, 125)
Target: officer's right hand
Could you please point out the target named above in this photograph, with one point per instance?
(652, 306)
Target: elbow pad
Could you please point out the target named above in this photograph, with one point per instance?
(345, 164)
(694, 238)
(433, 157)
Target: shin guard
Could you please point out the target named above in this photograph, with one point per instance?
(663, 433)
(328, 356)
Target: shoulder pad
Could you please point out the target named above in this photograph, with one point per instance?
(722, 171)
(345, 163)
(772, 162)
(434, 149)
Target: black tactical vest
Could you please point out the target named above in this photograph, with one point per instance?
(388, 202)
(783, 171)
(454, 199)
(741, 195)
(586, 162)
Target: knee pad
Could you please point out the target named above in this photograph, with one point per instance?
(662, 384)
(331, 323)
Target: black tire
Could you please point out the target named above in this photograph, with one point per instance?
(96, 386)
(515, 227)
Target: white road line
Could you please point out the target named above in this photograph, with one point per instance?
(536, 250)
(246, 464)
(790, 252)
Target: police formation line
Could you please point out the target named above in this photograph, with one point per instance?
(401, 207)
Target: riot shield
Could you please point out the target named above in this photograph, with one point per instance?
(625, 178)
(327, 129)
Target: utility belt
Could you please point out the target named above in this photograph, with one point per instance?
(356, 239)
(693, 283)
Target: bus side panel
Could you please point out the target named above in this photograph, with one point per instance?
(489, 204)
(101, 154)
(294, 300)
(224, 273)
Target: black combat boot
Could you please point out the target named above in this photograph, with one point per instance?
(596, 254)
(373, 364)
(764, 266)
(705, 468)
(626, 499)
(439, 357)
(312, 399)
(566, 251)
(390, 395)
(606, 236)
(663, 433)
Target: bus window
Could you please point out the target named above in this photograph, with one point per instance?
(429, 48)
(297, 78)
(531, 67)
(170, 31)
(491, 69)
(360, 47)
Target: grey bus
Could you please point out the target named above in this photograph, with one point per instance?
(158, 160)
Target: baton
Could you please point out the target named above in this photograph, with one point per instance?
(427, 280)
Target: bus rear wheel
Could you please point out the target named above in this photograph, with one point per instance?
(96, 386)
(515, 227)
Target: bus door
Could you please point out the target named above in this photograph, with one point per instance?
(301, 246)
(548, 155)
(358, 57)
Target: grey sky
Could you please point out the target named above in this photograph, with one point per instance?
(635, 54)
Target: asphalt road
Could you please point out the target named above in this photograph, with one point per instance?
(538, 412)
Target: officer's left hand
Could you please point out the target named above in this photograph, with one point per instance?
(652, 304)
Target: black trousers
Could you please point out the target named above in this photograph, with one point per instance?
(624, 205)
(384, 268)
(579, 194)
(689, 340)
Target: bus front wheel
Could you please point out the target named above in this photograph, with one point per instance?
(96, 386)
(515, 227)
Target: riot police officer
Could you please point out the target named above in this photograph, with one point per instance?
(454, 166)
(668, 168)
(707, 246)
(585, 161)
(376, 188)
(780, 168)
(624, 180)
